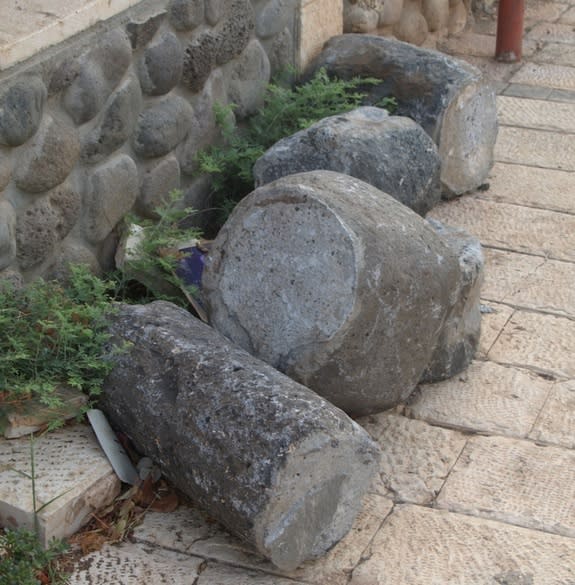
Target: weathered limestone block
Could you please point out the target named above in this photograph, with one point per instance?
(279, 466)
(101, 69)
(391, 153)
(336, 284)
(235, 30)
(214, 11)
(274, 17)
(111, 192)
(157, 183)
(460, 333)
(7, 234)
(162, 127)
(450, 99)
(141, 32)
(248, 77)
(160, 67)
(118, 122)
(186, 14)
(45, 223)
(412, 26)
(49, 158)
(21, 107)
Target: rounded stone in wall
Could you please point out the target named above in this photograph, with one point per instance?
(359, 19)
(157, 183)
(111, 192)
(436, 13)
(160, 67)
(281, 52)
(49, 158)
(7, 234)
(391, 12)
(186, 14)
(162, 127)
(73, 252)
(5, 167)
(21, 107)
(214, 11)
(118, 122)
(412, 26)
(235, 30)
(457, 17)
(200, 59)
(273, 17)
(249, 76)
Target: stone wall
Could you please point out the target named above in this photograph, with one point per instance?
(111, 121)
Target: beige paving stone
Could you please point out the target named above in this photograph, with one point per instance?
(493, 319)
(70, 469)
(568, 17)
(513, 481)
(535, 187)
(494, 71)
(542, 342)
(132, 564)
(478, 45)
(556, 423)
(536, 147)
(539, 114)
(217, 574)
(487, 398)
(552, 75)
(512, 227)
(556, 54)
(415, 458)
(547, 11)
(191, 531)
(554, 33)
(422, 546)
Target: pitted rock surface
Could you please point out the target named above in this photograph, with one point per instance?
(186, 15)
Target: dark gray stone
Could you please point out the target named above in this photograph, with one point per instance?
(186, 14)
(281, 54)
(7, 234)
(200, 59)
(21, 107)
(100, 71)
(248, 77)
(157, 183)
(273, 17)
(450, 99)
(277, 465)
(160, 68)
(235, 30)
(162, 127)
(459, 337)
(141, 32)
(62, 75)
(391, 153)
(214, 11)
(49, 158)
(118, 122)
(112, 191)
(336, 284)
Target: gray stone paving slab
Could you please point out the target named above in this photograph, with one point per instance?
(546, 11)
(479, 45)
(555, 54)
(218, 574)
(556, 423)
(494, 71)
(133, 564)
(538, 148)
(527, 91)
(512, 227)
(568, 18)
(549, 75)
(542, 342)
(493, 320)
(551, 32)
(562, 95)
(514, 481)
(535, 187)
(422, 546)
(538, 114)
(488, 398)
(415, 458)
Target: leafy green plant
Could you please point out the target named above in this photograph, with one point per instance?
(286, 110)
(53, 335)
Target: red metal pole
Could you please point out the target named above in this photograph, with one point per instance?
(509, 30)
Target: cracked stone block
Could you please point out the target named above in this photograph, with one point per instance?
(423, 546)
(70, 468)
(487, 398)
(493, 319)
(538, 114)
(547, 75)
(224, 575)
(513, 481)
(556, 423)
(542, 342)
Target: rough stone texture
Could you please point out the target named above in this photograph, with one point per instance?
(415, 458)
(112, 190)
(515, 482)
(493, 319)
(161, 65)
(157, 183)
(13, 277)
(449, 99)
(7, 234)
(274, 17)
(276, 464)
(359, 18)
(235, 30)
(45, 223)
(116, 125)
(186, 14)
(421, 546)
(49, 158)
(556, 423)
(363, 338)
(199, 59)
(84, 483)
(21, 108)
(460, 333)
(248, 76)
(367, 144)
(142, 31)
(101, 69)
(489, 398)
(162, 127)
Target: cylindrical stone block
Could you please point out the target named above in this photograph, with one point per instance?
(279, 466)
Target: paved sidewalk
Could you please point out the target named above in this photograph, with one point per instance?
(477, 481)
